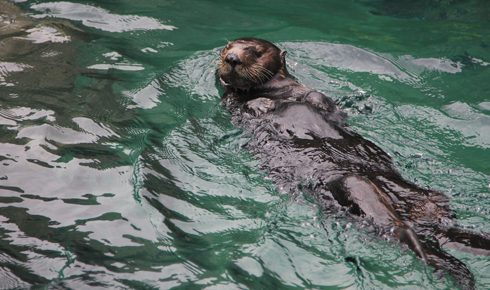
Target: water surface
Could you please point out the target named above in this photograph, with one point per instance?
(119, 170)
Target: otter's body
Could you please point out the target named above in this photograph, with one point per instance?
(300, 136)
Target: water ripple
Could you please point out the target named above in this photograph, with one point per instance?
(97, 17)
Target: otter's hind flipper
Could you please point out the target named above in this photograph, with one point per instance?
(365, 199)
(463, 240)
(408, 236)
(440, 259)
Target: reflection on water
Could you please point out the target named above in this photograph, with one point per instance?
(118, 168)
(462, 10)
(96, 17)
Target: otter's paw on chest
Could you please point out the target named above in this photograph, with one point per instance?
(320, 100)
(260, 106)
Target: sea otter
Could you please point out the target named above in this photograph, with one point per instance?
(254, 70)
(300, 136)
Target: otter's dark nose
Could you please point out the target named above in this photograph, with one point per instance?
(232, 59)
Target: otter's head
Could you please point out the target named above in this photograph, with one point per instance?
(248, 62)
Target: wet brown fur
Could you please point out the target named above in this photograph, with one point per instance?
(300, 135)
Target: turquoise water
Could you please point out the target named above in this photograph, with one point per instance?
(119, 170)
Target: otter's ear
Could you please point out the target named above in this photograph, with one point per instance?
(283, 61)
(283, 57)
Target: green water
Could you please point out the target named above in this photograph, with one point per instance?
(119, 170)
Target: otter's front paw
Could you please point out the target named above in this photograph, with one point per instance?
(320, 100)
(260, 106)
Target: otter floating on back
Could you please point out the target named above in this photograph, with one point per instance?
(300, 136)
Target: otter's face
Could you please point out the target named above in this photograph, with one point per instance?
(248, 62)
